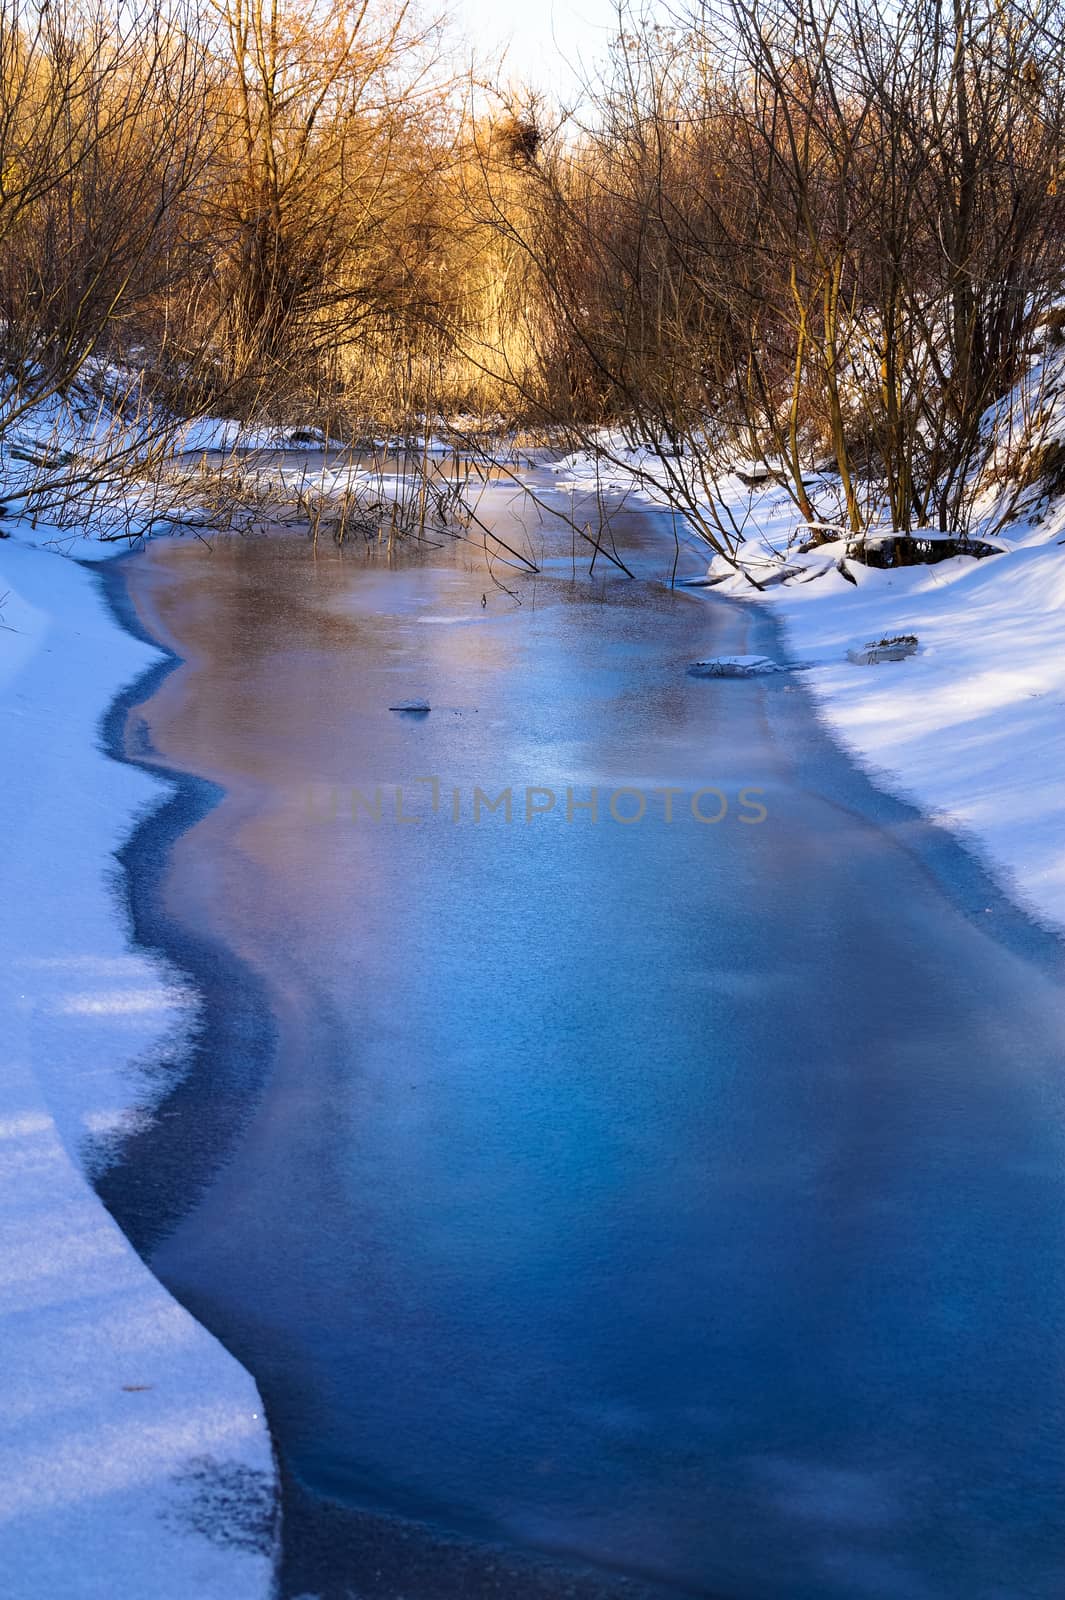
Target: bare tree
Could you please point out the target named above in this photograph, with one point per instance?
(102, 140)
(804, 230)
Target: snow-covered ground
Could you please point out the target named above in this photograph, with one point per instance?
(134, 1457)
(972, 727)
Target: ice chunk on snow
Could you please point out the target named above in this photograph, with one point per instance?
(734, 667)
(877, 650)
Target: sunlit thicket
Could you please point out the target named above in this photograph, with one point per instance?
(814, 234)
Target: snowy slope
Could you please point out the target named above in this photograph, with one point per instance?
(134, 1459)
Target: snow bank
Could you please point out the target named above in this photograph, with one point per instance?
(215, 434)
(135, 1460)
(972, 727)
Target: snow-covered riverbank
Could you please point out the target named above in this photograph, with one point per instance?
(971, 728)
(135, 1459)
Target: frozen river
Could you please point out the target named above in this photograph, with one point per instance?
(674, 1195)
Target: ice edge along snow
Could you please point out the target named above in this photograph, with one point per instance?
(970, 729)
(135, 1458)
